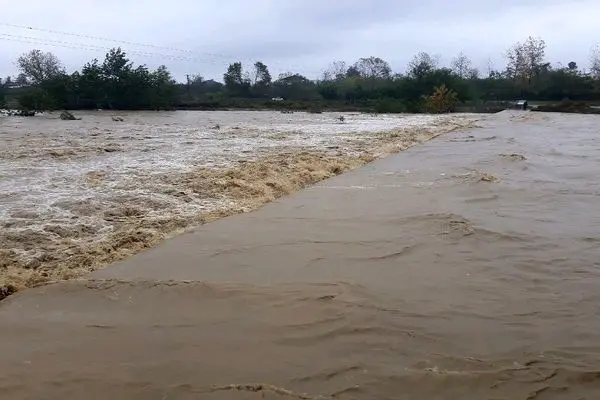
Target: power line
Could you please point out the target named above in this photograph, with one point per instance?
(189, 53)
(185, 55)
(82, 46)
(92, 37)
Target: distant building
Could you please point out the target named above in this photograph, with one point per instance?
(277, 99)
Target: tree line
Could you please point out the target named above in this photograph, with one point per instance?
(368, 84)
(115, 83)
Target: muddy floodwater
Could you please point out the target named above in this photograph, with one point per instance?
(77, 195)
(466, 267)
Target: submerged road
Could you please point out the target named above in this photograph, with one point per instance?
(466, 267)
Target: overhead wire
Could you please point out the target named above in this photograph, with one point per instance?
(184, 55)
(31, 28)
(83, 46)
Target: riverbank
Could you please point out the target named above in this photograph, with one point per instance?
(79, 195)
(379, 106)
(569, 107)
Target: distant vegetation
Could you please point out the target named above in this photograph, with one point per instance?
(367, 85)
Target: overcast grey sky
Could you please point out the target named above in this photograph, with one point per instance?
(203, 36)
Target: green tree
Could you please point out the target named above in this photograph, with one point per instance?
(163, 88)
(329, 89)
(116, 65)
(60, 91)
(92, 85)
(421, 65)
(261, 74)
(115, 71)
(38, 66)
(368, 84)
(261, 80)
(234, 75)
(36, 99)
(235, 82)
(295, 86)
(116, 83)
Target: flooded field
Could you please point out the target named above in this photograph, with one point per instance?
(76, 195)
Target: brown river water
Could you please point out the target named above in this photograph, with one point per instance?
(78, 195)
(464, 268)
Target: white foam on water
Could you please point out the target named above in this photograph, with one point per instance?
(73, 172)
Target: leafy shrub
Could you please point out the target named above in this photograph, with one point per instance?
(443, 100)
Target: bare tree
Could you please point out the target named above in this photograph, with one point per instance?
(335, 71)
(373, 67)
(490, 68)
(461, 65)
(38, 66)
(595, 61)
(526, 60)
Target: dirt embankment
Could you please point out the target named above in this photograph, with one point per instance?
(568, 106)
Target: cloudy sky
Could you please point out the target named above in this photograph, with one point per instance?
(203, 36)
